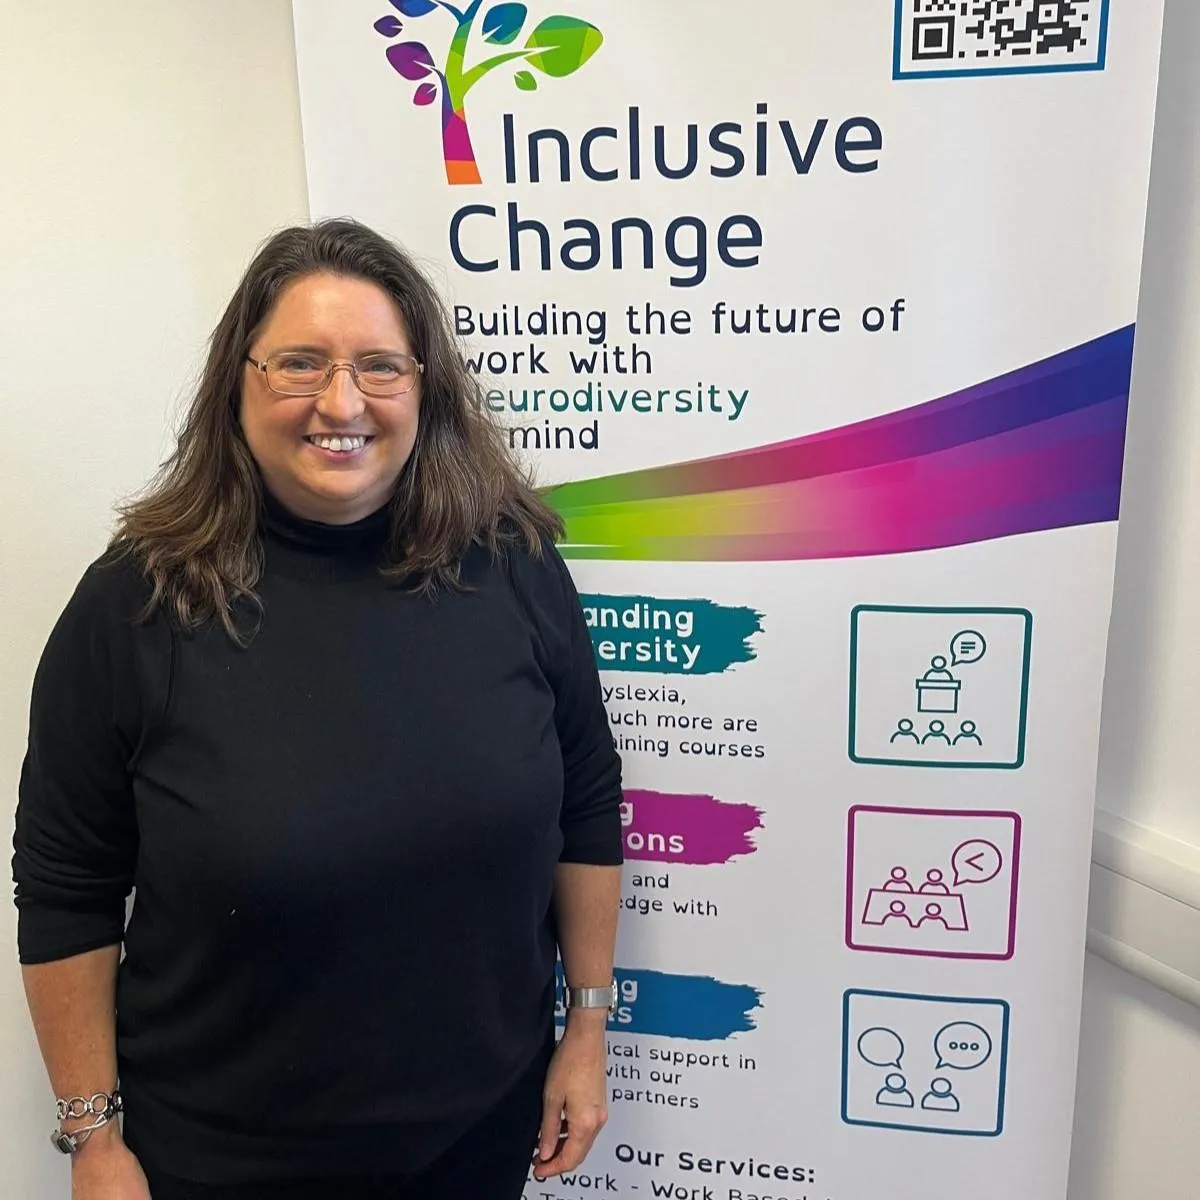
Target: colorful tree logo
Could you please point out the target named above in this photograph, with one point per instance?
(556, 47)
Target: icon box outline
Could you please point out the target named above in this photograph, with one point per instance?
(1006, 1013)
(965, 610)
(933, 812)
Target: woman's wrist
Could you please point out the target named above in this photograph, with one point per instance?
(84, 1120)
(97, 1143)
(584, 1020)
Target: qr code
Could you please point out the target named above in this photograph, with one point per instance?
(977, 37)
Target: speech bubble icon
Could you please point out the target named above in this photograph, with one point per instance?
(881, 1047)
(967, 646)
(976, 861)
(962, 1046)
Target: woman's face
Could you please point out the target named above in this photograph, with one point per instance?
(342, 319)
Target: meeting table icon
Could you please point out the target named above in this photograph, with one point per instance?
(932, 903)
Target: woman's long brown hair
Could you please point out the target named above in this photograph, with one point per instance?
(195, 530)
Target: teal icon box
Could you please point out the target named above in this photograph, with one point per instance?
(939, 687)
(925, 1063)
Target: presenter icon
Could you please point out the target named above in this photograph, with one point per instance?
(939, 687)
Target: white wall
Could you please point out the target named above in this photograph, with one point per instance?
(157, 142)
(1152, 697)
(147, 145)
(1139, 1074)
(1138, 1092)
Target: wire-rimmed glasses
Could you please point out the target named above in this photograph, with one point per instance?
(300, 373)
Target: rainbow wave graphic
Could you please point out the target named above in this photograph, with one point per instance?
(1038, 448)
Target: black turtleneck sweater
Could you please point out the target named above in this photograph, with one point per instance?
(342, 840)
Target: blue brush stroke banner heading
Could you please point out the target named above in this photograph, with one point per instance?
(697, 1007)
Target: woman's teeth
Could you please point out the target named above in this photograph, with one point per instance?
(340, 443)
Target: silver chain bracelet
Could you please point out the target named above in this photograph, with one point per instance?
(88, 1106)
(103, 1106)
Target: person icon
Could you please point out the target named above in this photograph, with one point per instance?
(904, 732)
(938, 689)
(895, 1093)
(932, 916)
(934, 884)
(897, 912)
(937, 733)
(898, 881)
(967, 733)
(938, 671)
(940, 1097)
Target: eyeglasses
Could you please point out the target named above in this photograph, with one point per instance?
(294, 373)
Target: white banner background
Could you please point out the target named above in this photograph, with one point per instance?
(791, 1027)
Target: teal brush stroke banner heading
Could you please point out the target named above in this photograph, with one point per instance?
(667, 636)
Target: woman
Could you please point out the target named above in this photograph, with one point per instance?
(328, 707)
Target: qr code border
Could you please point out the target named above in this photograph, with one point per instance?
(961, 72)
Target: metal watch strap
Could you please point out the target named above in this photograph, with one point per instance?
(591, 997)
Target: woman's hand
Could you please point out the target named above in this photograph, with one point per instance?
(104, 1168)
(574, 1099)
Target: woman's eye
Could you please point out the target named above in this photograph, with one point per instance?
(297, 362)
(383, 369)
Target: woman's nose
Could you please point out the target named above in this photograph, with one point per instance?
(341, 400)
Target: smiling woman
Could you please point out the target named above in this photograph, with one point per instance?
(354, 868)
(331, 443)
(331, 299)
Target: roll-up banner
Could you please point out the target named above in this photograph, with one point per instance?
(816, 319)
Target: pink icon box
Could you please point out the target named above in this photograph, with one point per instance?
(934, 883)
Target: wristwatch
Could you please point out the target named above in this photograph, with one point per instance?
(591, 997)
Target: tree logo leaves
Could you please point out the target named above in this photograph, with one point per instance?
(556, 47)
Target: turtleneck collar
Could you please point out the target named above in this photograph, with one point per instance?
(358, 540)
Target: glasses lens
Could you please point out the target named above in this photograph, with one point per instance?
(386, 374)
(297, 374)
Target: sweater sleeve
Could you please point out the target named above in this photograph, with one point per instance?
(591, 809)
(75, 842)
